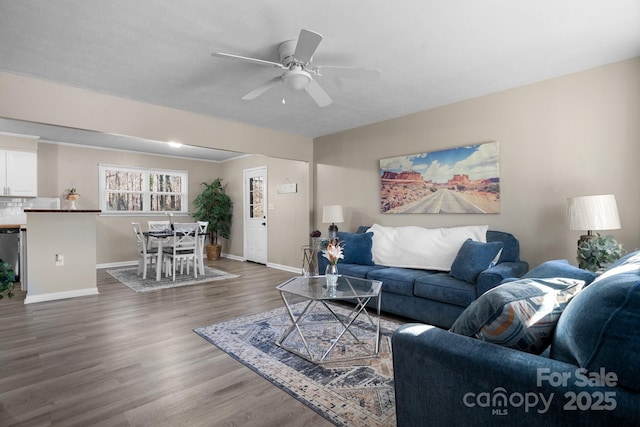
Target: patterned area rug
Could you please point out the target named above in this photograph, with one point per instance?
(129, 277)
(356, 393)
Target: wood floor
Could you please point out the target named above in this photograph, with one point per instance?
(131, 359)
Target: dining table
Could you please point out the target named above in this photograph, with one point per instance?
(161, 235)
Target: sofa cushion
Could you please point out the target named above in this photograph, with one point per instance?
(444, 288)
(397, 280)
(601, 327)
(473, 258)
(356, 248)
(423, 248)
(520, 315)
(356, 270)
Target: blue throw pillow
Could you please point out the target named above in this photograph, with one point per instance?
(473, 258)
(356, 248)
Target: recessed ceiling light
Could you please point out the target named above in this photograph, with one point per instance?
(175, 144)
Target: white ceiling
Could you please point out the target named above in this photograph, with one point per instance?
(430, 52)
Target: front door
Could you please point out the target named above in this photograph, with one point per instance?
(255, 215)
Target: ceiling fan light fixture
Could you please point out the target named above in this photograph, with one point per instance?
(296, 79)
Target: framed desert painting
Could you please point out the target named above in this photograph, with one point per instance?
(453, 181)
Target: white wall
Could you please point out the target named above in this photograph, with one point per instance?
(570, 136)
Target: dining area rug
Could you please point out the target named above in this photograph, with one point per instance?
(350, 393)
(129, 277)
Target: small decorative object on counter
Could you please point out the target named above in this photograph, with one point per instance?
(72, 195)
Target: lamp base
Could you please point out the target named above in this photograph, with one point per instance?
(586, 237)
(333, 233)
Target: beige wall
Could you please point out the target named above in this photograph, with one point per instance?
(18, 142)
(26, 98)
(61, 166)
(41, 101)
(569, 136)
(288, 214)
(575, 135)
(71, 235)
(64, 166)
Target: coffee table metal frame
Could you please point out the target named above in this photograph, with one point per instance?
(314, 289)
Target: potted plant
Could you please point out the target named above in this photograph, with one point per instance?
(215, 206)
(598, 252)
(7, 277)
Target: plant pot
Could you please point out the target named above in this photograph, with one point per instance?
(213, 252)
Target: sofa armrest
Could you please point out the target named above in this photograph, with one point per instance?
(492, 277)
(442, 378)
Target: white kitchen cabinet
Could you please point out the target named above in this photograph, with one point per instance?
(19, 177)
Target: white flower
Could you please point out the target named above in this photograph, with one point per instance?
(333, 253)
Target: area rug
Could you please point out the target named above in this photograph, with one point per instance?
(356, 393)
(130, 278)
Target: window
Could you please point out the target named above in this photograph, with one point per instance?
(142, 191)
(256, 197)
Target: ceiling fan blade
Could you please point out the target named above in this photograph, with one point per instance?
(308, 42)
(261, 89)
(318, 94)
(247, 59)
(349, 72)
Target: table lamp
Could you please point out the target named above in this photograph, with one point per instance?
(332, 214)
(592, 213)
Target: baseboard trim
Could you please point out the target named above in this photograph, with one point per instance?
(116, 264)
(233, 257)
(60, 295)
(285, 268)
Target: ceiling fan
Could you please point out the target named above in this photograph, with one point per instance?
(295, 61)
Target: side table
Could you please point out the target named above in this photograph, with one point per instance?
(309, 261)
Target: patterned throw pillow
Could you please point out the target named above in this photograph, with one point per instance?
(520, 315)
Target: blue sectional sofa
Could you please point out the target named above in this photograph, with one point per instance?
(588, 376)
(434, 297)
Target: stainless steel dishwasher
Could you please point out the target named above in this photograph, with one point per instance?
(10, 248)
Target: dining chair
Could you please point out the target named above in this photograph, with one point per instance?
(159, 225)
(185, 249)
(203, 225)
(156, 225)
(146, 256)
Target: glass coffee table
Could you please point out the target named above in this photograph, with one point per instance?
(322, 331)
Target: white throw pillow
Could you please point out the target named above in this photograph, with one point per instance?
(424, 248)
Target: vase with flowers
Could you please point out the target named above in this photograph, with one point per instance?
(333, 253)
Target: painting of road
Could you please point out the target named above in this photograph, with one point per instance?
(458, 180)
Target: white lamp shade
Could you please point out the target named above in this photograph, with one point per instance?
(332, 214)
(593, 213)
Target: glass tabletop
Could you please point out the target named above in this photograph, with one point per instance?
(315, 287)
